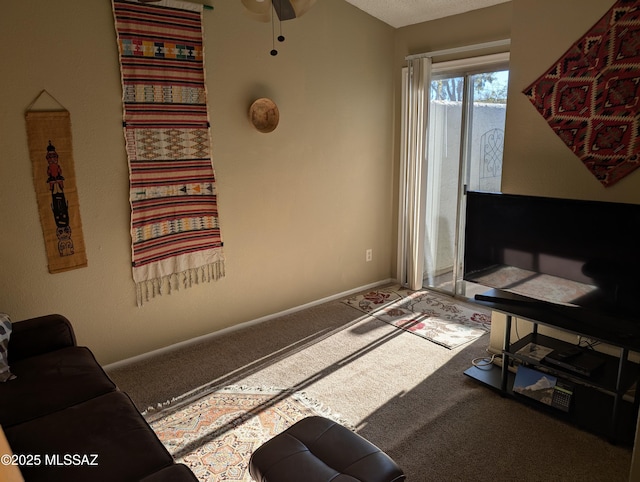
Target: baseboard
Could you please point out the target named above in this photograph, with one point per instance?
(245, 324)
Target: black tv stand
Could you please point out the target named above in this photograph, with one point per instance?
(601, 402)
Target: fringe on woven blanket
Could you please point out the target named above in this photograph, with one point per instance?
(149, 289)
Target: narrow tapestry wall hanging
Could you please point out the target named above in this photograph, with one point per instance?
(590, 96)
(54, 180)
(175, 230)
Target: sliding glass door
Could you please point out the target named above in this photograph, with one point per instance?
(465, 137)
(442, 180)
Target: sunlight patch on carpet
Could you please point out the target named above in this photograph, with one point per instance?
(216, 434)
(437, 318)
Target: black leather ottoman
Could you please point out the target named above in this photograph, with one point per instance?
(317, 449)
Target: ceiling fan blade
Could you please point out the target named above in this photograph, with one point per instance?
(290, 9)
(302, 6)
(284, 9)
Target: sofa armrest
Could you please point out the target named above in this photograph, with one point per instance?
(40, 335)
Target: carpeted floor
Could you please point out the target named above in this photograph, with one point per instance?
(405, 394)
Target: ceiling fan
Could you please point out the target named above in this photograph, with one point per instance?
(260, 10)
(285, 9)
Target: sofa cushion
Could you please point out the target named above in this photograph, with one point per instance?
(107, 431)
(50, 382)
(5, 334)
(40, 335)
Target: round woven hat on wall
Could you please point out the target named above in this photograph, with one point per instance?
(264, 115)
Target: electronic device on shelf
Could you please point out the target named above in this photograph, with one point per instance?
(575, 360)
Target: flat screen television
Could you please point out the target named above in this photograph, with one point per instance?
(579, 253)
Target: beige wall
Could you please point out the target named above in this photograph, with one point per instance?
(299, 206)
(475, 27)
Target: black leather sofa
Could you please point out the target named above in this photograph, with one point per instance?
(67, 421)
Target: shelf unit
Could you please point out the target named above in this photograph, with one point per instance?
(602, 403)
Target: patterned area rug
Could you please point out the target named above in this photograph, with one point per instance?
(426, 314)
(216, 434)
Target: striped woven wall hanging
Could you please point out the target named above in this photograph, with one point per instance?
(175, 229)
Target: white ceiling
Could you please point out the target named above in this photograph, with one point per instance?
(400, 13)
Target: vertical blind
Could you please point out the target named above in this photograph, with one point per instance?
(412, 167)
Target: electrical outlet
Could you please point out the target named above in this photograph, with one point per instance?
(368, 255)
